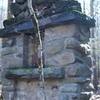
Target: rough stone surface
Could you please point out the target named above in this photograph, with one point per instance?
(64, 31)
(63, 58)
(10, 59)
(31, 73)
(54, 47)
(77, 69)
(62, 49)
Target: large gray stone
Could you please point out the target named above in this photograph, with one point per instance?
(53, 47)
(78, 70)
(63, 58)
(8, 51)
(73, 43)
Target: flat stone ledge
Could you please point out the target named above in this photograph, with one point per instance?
(26, 25)
(33, 73)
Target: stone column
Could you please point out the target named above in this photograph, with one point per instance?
(63, 49)
(67, 63)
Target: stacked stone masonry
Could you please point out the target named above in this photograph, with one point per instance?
(65, 47)
(61, 49)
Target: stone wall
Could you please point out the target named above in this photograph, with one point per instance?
(65, 33)
(62, 49)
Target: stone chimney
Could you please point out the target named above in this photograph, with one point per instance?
(65, 33)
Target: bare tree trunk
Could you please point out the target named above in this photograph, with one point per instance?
(95, 76)
(92, 8)
(9, 12)
(84, 10)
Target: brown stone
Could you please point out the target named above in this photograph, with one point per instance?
(63, 58)
(61, 32)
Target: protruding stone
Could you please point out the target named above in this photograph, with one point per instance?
(63, 58)
(53, 47)
(72, 43)
(88, 61)
(78, 70)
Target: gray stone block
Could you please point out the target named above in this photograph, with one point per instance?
(78, 70)
(64, 31)
(63, 58)
(53, 47)
(70, 88)
(8, 51)
(73, 43)
(8, 42)
(84, 51)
